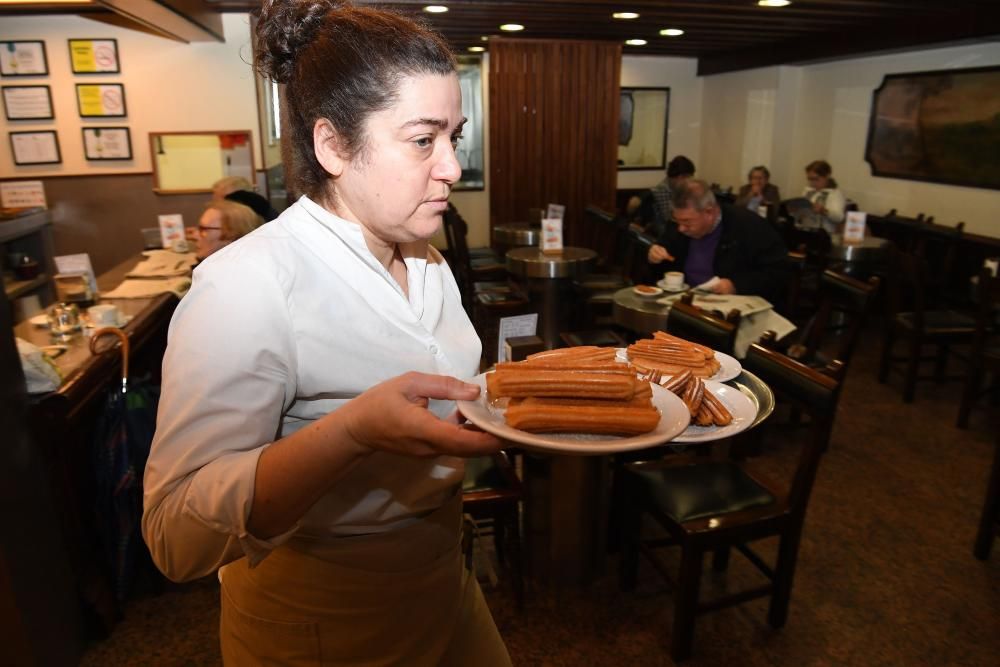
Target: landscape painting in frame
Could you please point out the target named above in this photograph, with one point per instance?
(939, 126)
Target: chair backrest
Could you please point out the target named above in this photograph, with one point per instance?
(694, 324)
(600, 234)
(906, 282)
(813, 392)
(841, 298)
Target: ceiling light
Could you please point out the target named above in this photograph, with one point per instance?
(773, 3)
(435, 9)
(635, 42)
(477, 49)
(512, 27)
(671, 32)
(625, 16)
(484, 38)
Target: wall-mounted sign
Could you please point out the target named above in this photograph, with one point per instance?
(35, 147)
(25, 58)
(94, 56)
(27, 102)
(105, 100)
(107, 143)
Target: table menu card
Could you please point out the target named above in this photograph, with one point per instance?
(519, 325)
(171, 228)
(854, 227)
(552, 236)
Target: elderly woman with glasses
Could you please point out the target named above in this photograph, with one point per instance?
(222, 223)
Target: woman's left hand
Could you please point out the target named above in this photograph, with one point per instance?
(393, 416)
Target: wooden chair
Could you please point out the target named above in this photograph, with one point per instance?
(918, 325)
(491, 495)
(989, 520)
(836, 325)
(691, 323)
(985, 355)
(717, 505)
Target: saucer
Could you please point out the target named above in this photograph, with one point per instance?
(663, 285)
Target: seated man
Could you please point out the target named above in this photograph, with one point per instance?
(654, 209)
(711, 240)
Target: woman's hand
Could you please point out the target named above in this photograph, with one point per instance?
(393, 417)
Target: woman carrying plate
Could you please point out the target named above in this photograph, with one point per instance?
(307, 444)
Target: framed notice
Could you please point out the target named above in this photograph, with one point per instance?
(40, 147)
(107, 143)
(27, 103)
(25, 58)
(101, 100)
(94, 56)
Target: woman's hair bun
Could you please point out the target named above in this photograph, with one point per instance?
(284, 28)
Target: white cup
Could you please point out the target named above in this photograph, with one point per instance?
(674, 280)
(104, 315)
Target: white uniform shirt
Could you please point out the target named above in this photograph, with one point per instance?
(279, 329)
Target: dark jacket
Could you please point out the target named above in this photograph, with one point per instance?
(750, 253)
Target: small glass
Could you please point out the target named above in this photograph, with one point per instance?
(64, 319)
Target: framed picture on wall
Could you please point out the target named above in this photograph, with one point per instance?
(101, 100)
(94, 56)
(37, 147)
(941, 126)
(25, 58)
(27, 103)
(107, 143)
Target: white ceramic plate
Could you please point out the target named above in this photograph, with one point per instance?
(674, 418)
(662, 284)
(653, 291)
(738, 403)
(729, 367)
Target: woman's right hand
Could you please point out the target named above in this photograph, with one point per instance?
(392, 416)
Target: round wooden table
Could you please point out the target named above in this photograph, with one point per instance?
(549, 278)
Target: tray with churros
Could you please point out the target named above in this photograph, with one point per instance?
(576, 400)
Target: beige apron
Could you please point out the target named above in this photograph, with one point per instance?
(397, 598)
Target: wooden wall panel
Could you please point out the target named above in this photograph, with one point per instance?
(553, 128)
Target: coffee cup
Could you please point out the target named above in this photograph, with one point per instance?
(674, 280)
(104, 315)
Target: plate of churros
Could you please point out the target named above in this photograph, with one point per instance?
(717, 410)
(575, 401)
(669, 356)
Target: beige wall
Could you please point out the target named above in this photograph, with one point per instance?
(169, 86)
(786, 117)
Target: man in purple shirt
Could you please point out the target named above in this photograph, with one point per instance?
(711, 240)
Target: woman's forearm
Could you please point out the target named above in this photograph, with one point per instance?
(296, 471)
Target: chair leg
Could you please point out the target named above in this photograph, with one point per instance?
(912, 367)
(720, 559)
(499, 535)
(515, 563)
(784, 575)
(991, 511)
(686, 603)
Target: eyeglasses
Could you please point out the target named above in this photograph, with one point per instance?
(204, 229)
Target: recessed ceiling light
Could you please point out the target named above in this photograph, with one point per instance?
(477, 49)
(484, 38)
(635, 42)
(435, 9)
(625, 16)
(773, 3)
(671, 32)
(512, 27)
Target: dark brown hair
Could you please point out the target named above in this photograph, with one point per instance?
(762, 169)
(822, 168)
(341, 63)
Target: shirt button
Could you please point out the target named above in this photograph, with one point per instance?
(434, 349)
